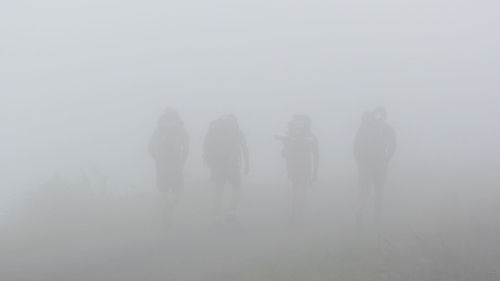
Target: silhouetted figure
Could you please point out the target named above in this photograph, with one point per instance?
(300, 150)
(169, 148)
(226, 154)
(374, 147)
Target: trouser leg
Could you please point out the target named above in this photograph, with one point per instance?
(168, 206)
(364, 192)
(379, 186)
(218, 198)
(297, 202)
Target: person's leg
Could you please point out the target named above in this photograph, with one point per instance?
(378, 202)
(290, 202)
(301, 192)
(162, 183)
(174, 197)
(379, 184)
(218, 189)
(297, 201)
(173, 184)
(218, 198)
(236, 188)
(167, 208)
(364, 190)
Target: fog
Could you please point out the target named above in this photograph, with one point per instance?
(83, 85)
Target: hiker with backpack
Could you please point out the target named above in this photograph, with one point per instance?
(301, 153)
(226, 155)
(374, 148)
(169, 148)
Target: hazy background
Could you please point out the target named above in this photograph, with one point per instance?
(82, 83)
(85, 81)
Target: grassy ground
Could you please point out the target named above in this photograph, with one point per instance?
(74, 238)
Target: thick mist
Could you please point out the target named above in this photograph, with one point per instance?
(83, 85)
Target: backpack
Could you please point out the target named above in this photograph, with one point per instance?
(166, 144)
(222, 143)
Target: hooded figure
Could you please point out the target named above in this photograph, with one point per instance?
(374, 147)
(226, 155)
(169, 147)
